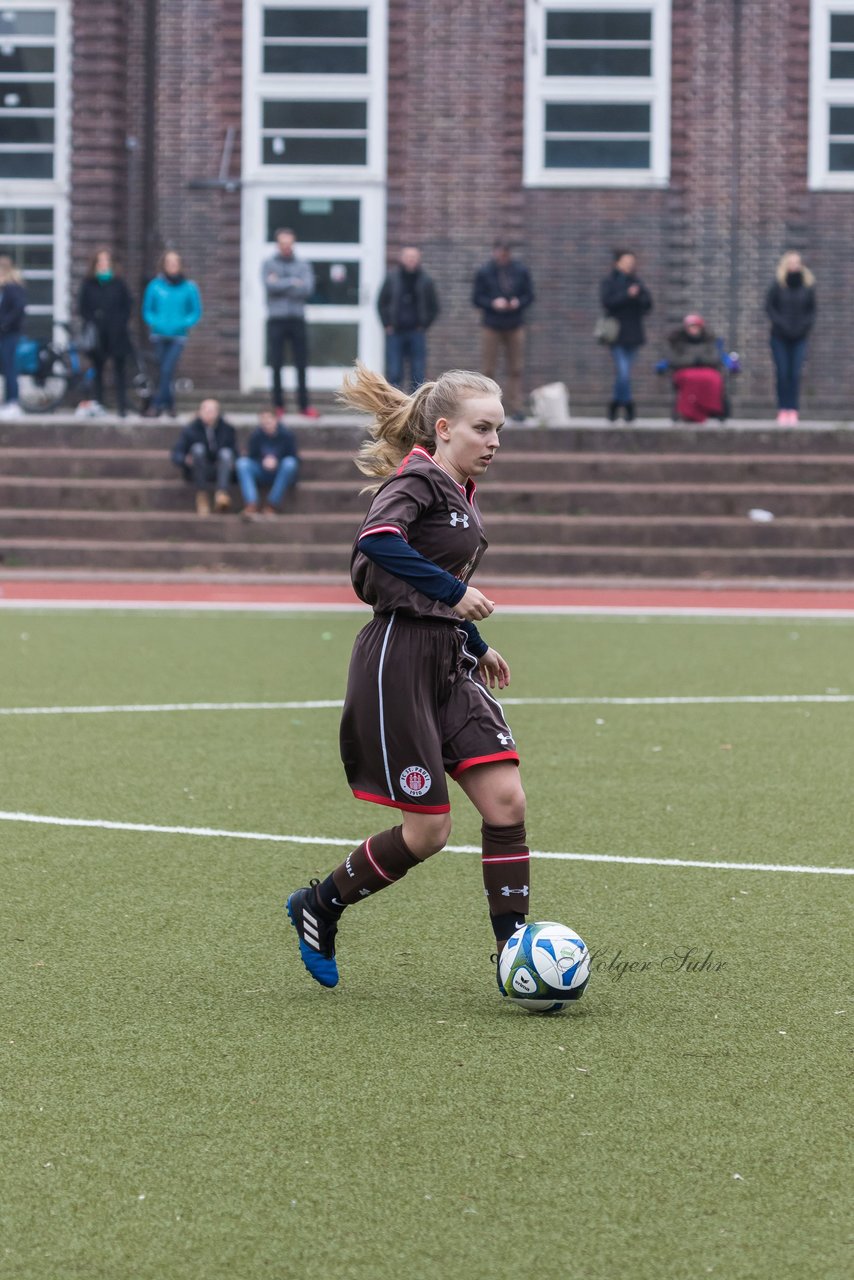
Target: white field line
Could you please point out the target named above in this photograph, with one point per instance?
(666, 700)
(334, 842)
(594, 610)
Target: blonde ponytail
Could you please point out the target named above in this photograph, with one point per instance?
(400, 422)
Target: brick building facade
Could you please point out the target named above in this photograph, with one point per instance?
(715, 135)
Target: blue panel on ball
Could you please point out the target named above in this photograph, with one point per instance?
(545, 944)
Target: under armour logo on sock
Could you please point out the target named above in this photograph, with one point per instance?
(507, 892)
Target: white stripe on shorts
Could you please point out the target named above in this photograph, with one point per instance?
(382, 709)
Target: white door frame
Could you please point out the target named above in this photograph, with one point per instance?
(369, 253)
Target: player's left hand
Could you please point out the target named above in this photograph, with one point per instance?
(493, 669)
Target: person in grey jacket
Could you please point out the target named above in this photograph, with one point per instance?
(288, 282)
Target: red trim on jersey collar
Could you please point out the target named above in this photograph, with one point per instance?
(468, 488)
(396, 804)
(468, 764)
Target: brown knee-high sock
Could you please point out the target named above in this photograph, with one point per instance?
(506, 863)
(380, 861)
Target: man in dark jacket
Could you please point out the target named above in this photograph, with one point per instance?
(205, 451)
(503, 291)
(625, 297)
(408, 306)
(271, 465)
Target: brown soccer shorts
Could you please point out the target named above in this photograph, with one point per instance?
(415, 711)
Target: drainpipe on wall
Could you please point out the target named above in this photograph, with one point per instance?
(735, 181)
(149, 149)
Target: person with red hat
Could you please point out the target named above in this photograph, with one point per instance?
(694, 356)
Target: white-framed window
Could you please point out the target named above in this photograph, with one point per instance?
(831, 150)
(34, 153)
(316, 75)
(314, 160)
(29, 235)
(597, 93)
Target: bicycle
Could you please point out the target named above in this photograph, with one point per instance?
(48, 372)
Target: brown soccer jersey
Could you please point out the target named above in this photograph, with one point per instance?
(436, 516)
(415, 709)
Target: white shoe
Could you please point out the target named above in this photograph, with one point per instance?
(89, 409)
(11, 410)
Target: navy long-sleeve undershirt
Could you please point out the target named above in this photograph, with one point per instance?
(394, 554)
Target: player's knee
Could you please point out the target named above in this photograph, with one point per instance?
(507, 804)
(426, 833)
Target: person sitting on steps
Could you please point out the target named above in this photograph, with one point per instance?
(270, 467)
(206, 451)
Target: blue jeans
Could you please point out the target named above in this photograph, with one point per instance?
(8, 347)
(789, 355)
(624, 358)
(408, 345)
(252, 476)
(168, 352)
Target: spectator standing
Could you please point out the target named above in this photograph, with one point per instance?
(171, 306)
(625, 297)
(791, 308)
(13, 306)
(206, 451)
(271, 465)
(503, 291)
(289, 283)
(694, 357)
(408, 305)
(105, 305)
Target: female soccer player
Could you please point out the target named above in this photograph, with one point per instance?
(417, 704)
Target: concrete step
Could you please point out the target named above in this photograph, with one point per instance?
(316, 497)
(547, 560)
(338, 530)
(345, 433)
(518, 468)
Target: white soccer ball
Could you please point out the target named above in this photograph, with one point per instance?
(544, 967)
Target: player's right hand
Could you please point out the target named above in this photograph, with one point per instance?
(473, 605)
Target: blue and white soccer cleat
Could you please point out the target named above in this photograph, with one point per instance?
(316, 934)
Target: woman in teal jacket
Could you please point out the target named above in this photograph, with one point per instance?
(171, 306)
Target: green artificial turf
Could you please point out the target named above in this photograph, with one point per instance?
(178, 1101)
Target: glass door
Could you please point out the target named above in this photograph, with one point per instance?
(341, 235)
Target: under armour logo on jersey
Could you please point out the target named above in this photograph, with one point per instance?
(504, 738)
(459, 517)
(507, 892)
